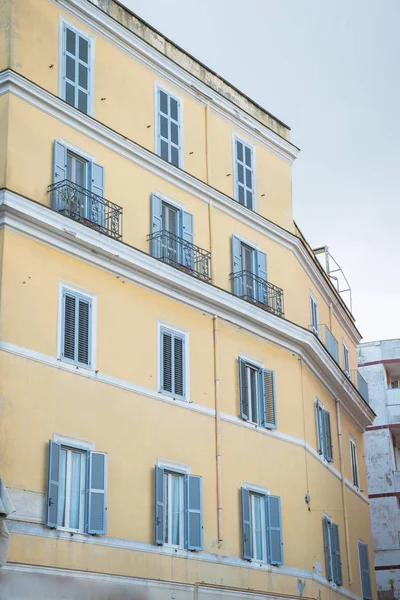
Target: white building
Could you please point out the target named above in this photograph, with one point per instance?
(380, 366)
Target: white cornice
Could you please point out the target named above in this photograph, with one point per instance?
(138, 49)
(11, 82)
(49, 227)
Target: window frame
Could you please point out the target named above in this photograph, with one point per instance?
(163, 326)
(63, 25)
(169, 472)
(238, 138)
(355, 474)
(346, 359)
(314, 301)
(264, 549)
(259, 367)
(92, 356)
(83, 487)
(161, 87)
(322, 448)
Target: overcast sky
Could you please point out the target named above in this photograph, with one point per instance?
(330, 70)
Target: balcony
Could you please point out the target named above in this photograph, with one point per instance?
(393, 396)
(84, 206)
(258, 291)
(329, 341)
(181, 254)
(360, 383)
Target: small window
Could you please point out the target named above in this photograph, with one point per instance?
(249, 273)
(169, 127)
(261, 527)
(333, 562)
(346, 360)
(314, 315)
(354, 463)
(76, 69)
(244, 174)
(394, 384)
(176, 495)
(364, 571)
(257, 394)
(173, 363)
(76, 328)
(324, 432)
(77, 489)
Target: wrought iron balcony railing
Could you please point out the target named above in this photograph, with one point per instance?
(181, 254)
(88, 208)
(360, 383)
(330, 342)
(258, 291)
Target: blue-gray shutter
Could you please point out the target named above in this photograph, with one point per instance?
(320, 427)
(246, 525)
(97, 493)
(68, 326)
(59, 173)
(336, 558)
(262, 288)
(156, 225)
(84, 331)
(274, 530)
(194, 512)
(327, 548)
(179, 366)
(187, 258)
(328, 436)
(53, 484)
(236, 264)
(159, 505)
(244, 396)
(269, 398)
(96, 208)
(364, 571)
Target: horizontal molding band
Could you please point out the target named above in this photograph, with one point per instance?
(384, 495)
(387, 567)
(220, 560)
(103, 378)
(47, 226)
(12, 82)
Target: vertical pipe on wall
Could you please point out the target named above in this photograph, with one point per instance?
(346, 518)
(217, 430)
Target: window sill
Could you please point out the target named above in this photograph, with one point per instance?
(75, 367)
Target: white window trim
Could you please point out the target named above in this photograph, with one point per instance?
(252, 361)
(63, 285)
(264, 558)
(320, 404)
(170, 465)
(353, 442)
(182, 532)
(344, 345)
(168, 200)
(240, 138)
(70, 25)
(160, 86)
(185, 334)
(258, 489)
(82, 508)
(314, 299)
(246, 241)
(77, 150)
(73, 442)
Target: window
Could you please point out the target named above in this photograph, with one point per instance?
(172, 233)
(78, 186)
(333, 562)
(354, 463)
(169, 127)
(77, 489)
(178, 509)
(76, 328)
(76, 68)
(173, 363)
(324, 432)
(346, 360)
(261, 527)
(394, 384)
(314, 315)
(364, 571)
(244, 174)
(257, 394)
(249, 272)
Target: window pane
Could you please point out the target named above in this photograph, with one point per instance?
(239, 151)
(70, 68)
(247, 156)
(76, 458)
(70, 94)
(166, 512)
(163, 103)
(241, 194)
(258, 531)
(83, 76)
(174, 156)
(176, 509)
(164, 150)
(249, 179)
(174, 109)
(164, 127)
(249, 199)
(83, 50)
(82, 101)
(174, 133)
(253, 383)
(61, 497)
(240, 173)
(70, 41)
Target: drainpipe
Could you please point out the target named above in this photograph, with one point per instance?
(346, 518)
(217, 430)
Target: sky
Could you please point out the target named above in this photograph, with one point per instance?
(330, 70)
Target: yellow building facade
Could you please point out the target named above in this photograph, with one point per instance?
(180, 412)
